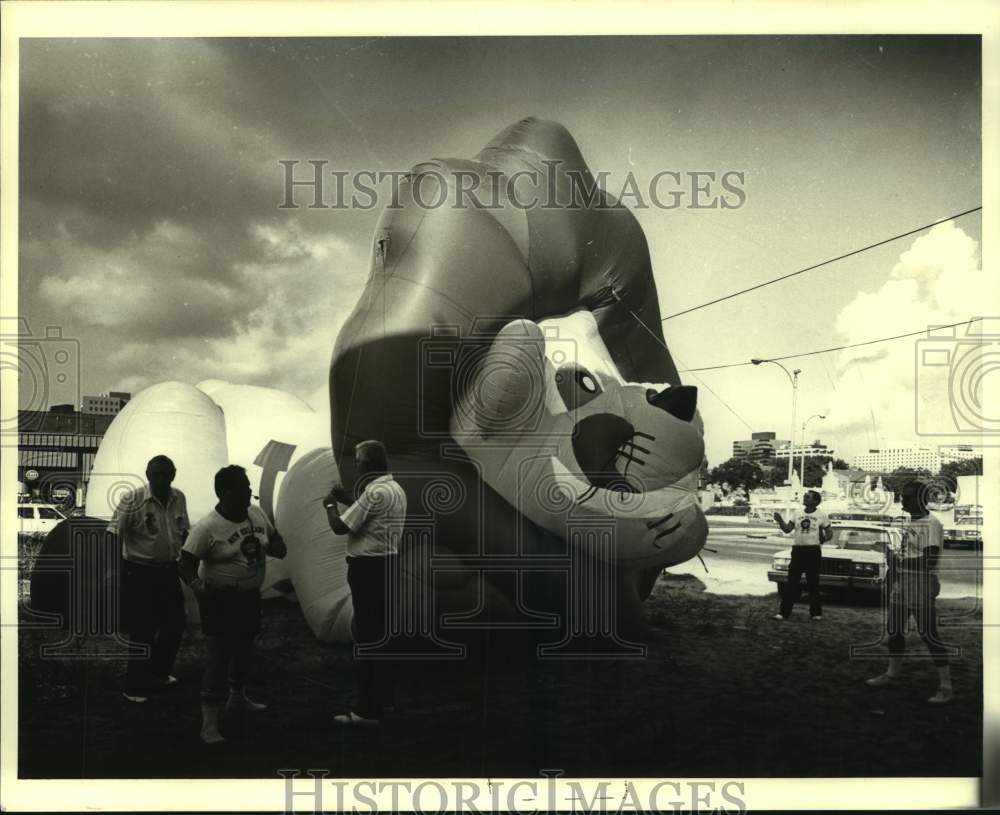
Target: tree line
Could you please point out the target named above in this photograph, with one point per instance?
(749, 474)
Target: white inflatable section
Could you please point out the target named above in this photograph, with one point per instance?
(253, 415)
(316, 556)
(269, 433)
(173, 419)
(267, 428)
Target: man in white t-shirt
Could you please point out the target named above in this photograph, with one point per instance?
(812, 529)
(913, 586)
(224, 560)
(373, 524)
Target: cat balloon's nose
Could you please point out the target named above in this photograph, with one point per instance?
(679, 402)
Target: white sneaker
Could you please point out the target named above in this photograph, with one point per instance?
(816, 618)
(353, 718)
(133, 697)
(882, 680)
(942, 697)
(212, 736)
(780, 617)
(244, 703)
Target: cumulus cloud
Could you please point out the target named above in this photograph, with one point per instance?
(284, 316)
(883, 391)
(150, 228)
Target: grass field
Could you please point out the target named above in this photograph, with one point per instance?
(723, 691)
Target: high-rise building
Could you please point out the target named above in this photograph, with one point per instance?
(888, 459)
(759, 447)
(105, 404)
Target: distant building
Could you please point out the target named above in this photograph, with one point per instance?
(105, 404)
(889, 459)
(817, 448)
(56, 449)
(759, 447)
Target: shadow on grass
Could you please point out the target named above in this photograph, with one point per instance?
(723, 690)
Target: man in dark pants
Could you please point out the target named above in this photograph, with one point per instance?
(152, 524)
(224, 561)
(373, 524)
(812, 530)
(914, 585)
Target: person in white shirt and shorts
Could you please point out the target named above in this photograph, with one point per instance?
(913, 586)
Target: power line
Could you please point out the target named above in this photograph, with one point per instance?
(818, 265)
(828, 350)
(660, 342)
(724, 403)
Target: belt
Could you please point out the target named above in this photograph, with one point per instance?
(155, 564)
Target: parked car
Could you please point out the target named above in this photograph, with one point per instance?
(965, 528)
(854, 558)
(37, 518)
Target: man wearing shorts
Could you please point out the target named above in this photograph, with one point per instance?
(914, 585)
(223, 560)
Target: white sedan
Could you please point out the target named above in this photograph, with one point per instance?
(854, 558)
(37, 518)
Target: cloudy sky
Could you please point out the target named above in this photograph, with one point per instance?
(150, 185)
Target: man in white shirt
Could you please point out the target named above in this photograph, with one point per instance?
(224, 561)
(152, 523)
(812, 530)
(373, 524)
(914, 585)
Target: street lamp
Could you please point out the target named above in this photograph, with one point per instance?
(794, 379)
(814, 416)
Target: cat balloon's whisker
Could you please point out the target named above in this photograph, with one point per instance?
(667, 531)
(655, 524)
(644, 435)
(629, 457)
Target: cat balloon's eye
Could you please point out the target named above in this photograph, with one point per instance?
(576, 385)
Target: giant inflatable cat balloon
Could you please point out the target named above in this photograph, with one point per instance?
(507, 350)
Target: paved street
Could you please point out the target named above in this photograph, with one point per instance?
(737, 559)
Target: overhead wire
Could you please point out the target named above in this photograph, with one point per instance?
(821, 264)
(830, 350)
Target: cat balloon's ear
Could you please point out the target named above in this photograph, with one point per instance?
(505, 391)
